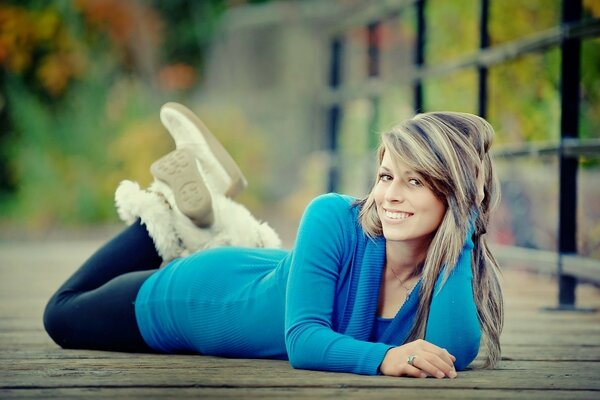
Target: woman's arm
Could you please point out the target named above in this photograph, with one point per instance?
(318, 254)
(453, 323)
(453, 333)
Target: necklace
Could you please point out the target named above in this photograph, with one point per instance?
(402, 283)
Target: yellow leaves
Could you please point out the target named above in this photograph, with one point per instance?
(514, 19)
(16, 38)
(37, 42)
(134, 28)
(40, 45)
(138, 146)
(46, 26)
(56, 70)
(593, 6)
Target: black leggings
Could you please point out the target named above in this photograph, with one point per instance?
(94, 308)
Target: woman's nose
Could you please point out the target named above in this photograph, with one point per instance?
(394, 193)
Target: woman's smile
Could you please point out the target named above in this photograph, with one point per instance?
(396, 216)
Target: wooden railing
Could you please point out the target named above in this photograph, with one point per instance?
(567, 36)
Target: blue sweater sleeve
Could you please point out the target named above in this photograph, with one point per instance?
(320, 249)
(453, 322)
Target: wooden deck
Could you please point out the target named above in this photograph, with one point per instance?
(545, 355)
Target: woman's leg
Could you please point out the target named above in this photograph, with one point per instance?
(94, 308)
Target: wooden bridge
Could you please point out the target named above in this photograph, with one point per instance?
(546, 355)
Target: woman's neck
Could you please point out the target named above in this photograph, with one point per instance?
(405, 257)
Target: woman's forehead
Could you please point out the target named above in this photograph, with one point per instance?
(395, 164)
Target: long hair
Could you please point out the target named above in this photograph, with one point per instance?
(449, 150)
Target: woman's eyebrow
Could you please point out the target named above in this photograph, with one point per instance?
(407, 172)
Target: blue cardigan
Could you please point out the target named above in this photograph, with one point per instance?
(315, 305)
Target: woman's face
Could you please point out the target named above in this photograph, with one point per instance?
(407, 208)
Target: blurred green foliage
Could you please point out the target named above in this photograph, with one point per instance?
(524, 94)
(523, 106)
(81, 82)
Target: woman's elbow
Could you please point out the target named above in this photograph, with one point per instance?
(467, 353)
(298, 356)
(295, 357)
(297, 362)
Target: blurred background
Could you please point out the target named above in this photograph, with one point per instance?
(82, 82)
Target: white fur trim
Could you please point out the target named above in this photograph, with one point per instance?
(133, 203)
(234, 225)
(173, 233)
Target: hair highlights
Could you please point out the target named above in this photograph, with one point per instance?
(450, 150)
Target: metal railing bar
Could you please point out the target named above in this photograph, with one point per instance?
(484, 58)
(570, 147)
(501, 53)
(545, 261)
(375, 11)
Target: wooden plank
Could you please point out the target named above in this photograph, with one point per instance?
(294, 393)
(546, 355)
(533, 352)
(510, 351)
(190, 371)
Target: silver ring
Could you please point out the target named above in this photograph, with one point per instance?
(410, 360)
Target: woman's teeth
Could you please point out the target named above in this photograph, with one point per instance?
(397, 214)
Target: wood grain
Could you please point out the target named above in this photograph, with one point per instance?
(546, 355)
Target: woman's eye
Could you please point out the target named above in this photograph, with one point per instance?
(415, 182)
(385, 177)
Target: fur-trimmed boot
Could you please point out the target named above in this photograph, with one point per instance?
(233, 225)
(154, 212)
(186, 209)
(175, 235)
(221, 172)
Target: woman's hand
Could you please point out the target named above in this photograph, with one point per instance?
(427, 360)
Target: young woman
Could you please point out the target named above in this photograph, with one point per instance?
(400, 283)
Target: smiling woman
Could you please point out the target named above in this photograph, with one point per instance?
(409, 210)
(439, 163)
(400, 283)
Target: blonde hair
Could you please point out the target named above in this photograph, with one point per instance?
(450, 149)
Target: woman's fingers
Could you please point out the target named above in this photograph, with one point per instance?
(419, 359)
(443, 354)
(409, 370)
(436, 366)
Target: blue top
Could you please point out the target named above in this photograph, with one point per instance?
(315, 305)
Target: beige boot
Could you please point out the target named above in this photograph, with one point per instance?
(175, 235)
(180, 172)
(222, 174)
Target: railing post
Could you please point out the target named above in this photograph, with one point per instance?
(484, 42)
(334, 114)
(419, 55)
(373, 71)
(568, 165)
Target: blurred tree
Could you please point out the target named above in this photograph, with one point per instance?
(81, 76)
(75, 75)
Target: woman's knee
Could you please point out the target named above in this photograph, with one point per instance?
(55, 321)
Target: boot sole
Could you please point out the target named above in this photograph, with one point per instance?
(179, 171)
(238, 181)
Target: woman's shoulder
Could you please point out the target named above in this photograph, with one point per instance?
(337, 203)
(334, 199)
(333, 216)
